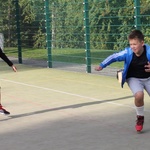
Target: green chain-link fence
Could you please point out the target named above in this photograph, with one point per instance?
(70, 32)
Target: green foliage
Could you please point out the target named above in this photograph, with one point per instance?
(39, 39)
(7, 24)
(32, 22)
(67, 24)
(110, 23)
(145, 19)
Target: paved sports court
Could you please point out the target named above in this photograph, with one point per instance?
(53, 109)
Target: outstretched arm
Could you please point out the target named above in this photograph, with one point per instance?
(120, 56)
(6, 59)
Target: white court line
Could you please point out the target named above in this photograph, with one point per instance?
(67, 93)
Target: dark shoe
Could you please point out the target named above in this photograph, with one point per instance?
(139, 123)
(4, 111)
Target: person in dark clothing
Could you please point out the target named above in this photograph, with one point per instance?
(6, 59)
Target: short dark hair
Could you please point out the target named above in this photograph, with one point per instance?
(136, 34)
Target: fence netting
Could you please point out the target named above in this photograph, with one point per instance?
(24, 27)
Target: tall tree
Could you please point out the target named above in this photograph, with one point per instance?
(8, 22)
(32, 22)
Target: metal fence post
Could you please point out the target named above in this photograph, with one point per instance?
(87, 36)
(48, 32)
(18, 31)
(137, 14)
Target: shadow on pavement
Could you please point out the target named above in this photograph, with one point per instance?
(65, 107)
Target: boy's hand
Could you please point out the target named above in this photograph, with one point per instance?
(147, 67)
(14, 68)
(98, 68)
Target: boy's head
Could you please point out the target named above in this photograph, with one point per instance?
(136, 41)
(136, 34)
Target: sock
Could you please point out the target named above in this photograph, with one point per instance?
(139, 110)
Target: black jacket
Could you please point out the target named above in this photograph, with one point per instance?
(5, 58)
